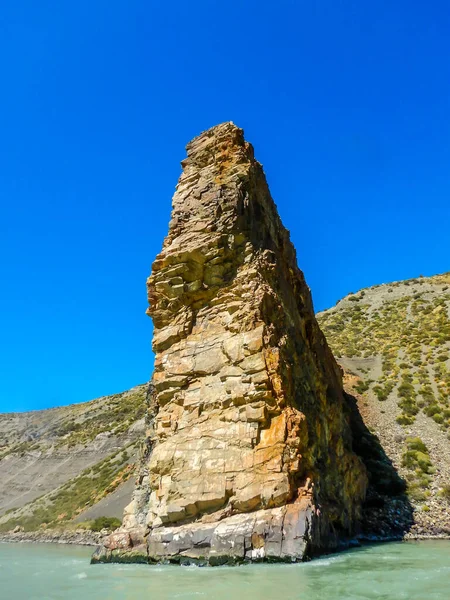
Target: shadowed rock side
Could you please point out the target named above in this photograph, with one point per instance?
(387, 512)
(250, 450)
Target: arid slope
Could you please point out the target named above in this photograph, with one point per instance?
(56, 463)
(394, 342)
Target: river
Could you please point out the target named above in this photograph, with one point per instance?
(394, 571)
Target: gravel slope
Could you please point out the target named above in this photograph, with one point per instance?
(396, 337)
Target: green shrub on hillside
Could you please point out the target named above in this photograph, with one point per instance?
(362, 386)
(105, 523)
(417, 460)
(415, 443)
(410, 334)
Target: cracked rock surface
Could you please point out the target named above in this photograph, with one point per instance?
(250, 450)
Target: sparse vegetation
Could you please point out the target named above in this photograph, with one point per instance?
(105, 523)
(410, 332)
(65, 503)
(362, 386)
(417, 460)
(74, 427)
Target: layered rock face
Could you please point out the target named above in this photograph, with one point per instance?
(250, 451)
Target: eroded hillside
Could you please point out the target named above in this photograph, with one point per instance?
(55, 464)
(395, 340)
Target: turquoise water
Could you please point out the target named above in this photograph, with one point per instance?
(396, 571)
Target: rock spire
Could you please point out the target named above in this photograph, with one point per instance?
(249, 449)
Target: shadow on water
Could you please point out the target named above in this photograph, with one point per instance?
(387, 510)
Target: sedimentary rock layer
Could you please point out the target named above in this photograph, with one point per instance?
(250, 451)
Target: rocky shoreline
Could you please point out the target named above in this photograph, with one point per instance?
(94, 539)
(426, 536)
(79, 537)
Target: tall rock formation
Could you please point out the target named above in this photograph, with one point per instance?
(250, 450)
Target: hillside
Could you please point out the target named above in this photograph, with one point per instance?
(393, 341)
(57, 465)
(72, 464)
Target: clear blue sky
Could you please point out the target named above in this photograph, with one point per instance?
(346, 103)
